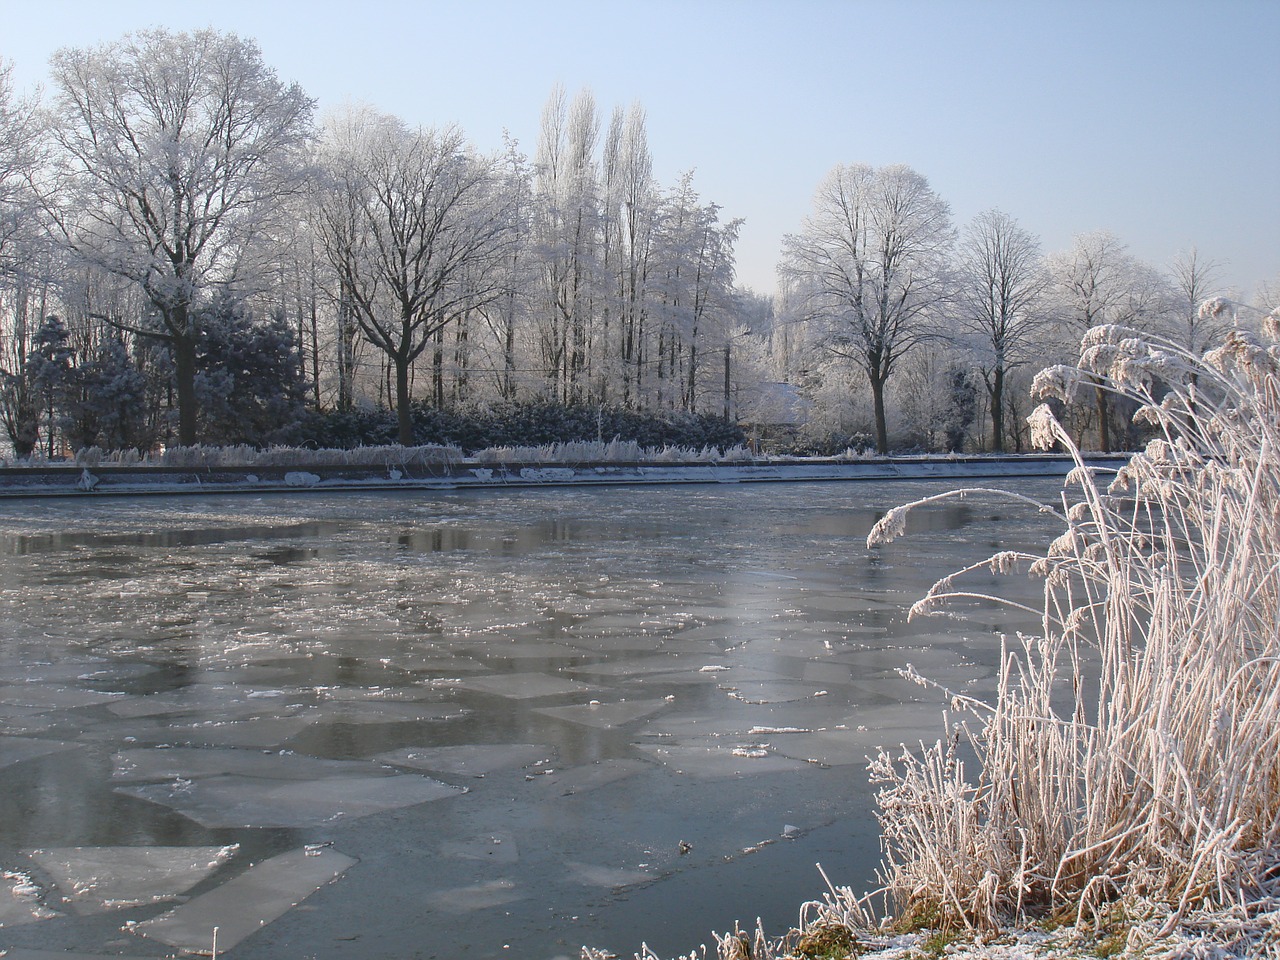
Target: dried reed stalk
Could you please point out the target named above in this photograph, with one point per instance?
(1133, 749)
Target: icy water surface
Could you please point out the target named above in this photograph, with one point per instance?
(454, 725)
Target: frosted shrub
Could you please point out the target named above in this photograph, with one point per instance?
(422, 457)
(1132, 753)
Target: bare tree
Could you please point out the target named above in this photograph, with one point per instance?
(20, 155)
(871, 263)
(1002, 280)
(567, 224)
(176, 152)
(1098, 282)
(411, 219)
(1196, 281)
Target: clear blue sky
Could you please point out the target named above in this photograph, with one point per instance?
(1158, 120)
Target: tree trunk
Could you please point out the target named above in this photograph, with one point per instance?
(1104, 424)
(184, 372)
(404, 412)
(995, 388)
(882, 424)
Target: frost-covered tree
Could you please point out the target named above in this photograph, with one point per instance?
(412, 221)
(176, 150)
(567, 225)
(1000, 303)
(21, 143)
(248, 377)
(1196, 281)
(52, 370)
(109, 409)
(1098, 282)
(871, 265)
(696, 307)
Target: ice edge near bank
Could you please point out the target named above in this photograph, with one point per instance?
(73, 480)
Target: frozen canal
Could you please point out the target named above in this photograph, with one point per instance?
(489, 724)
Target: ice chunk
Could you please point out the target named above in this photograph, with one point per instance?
(717, 761)
(241, 733)
(236, 801)
(779, 691)
(604, 715)
(382, 712)
(477, 897)
(16, 749)
(590, 776)
(524, 686)
(468, 759)
(633, 668)
(21, 953)
(611, 877)
(20, 900)
(491, 848)
(521, 649)
(190, 763)
(247, 903)
(52, 696)
(96, 879)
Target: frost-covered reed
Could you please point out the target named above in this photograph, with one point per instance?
(1132, 755)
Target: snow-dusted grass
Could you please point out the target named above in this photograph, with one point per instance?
(1131, 759)
(615, 451)
(431, 455)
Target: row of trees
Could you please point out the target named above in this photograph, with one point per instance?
(879, 278)
(186, 256)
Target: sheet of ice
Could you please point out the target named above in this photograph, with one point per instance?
(520, 649)
(605, 715)
(717, 761)
(524, 686)
(22, 953)
(225, 702)
(480, 896)
(772, 691)
(16, 749)
(383, 712)
(587, 777)
(264, 732)
(491, 848)
(97, 879)
(474, 760)
(191, 763)
(244, 905)
(633, 668)
(229, 800)
(21, 900)
(52, 696)
(612, 878)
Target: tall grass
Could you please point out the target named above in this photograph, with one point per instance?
(1132, 754)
